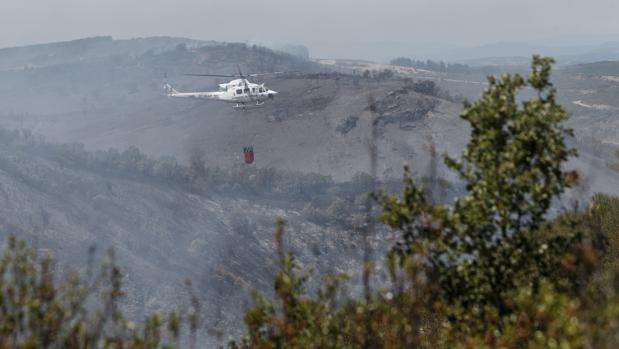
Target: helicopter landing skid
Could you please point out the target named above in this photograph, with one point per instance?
(243, 106)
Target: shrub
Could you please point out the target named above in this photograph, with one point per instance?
(37, 311)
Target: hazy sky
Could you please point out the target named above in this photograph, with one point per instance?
(317, 23)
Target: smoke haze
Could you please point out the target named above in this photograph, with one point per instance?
(326, 27)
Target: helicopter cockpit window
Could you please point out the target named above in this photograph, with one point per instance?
(261, 90)
(246, 90)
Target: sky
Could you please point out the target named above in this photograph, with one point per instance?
(325, 26)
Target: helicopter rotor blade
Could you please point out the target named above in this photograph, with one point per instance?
(266, 74)
(212, 75)
(240, 74)
(275, 73)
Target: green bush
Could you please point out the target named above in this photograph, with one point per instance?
(37, 311)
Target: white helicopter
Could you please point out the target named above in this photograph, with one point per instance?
(240, 91)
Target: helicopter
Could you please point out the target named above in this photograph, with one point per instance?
(239, 91)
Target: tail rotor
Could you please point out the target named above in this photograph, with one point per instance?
(169, 90)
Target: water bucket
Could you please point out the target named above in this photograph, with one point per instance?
(248, 154)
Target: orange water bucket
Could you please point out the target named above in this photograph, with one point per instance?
(248, 154)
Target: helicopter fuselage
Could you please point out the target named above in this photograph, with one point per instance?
(235, 91)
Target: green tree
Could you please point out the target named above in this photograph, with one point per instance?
(402, 61)
(487, 243)
(37, 311)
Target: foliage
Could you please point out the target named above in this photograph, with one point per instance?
(378, 75)
(591, 271)
(132, 163)
(426, 87)
(488, 271)
(406, 313)
(36, 311)
(332, 319)
(542, 318)
(486, 242)
(431, 65)
(402, 61)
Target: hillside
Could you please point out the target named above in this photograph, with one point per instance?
(174, 197)
(217, 231)
(605, 68)
(164, 227)
(44, 55)
(117, 101)
(590, 92)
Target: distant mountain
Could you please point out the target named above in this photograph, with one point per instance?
(604, 52)
(566, 51)
(520, 53)
(43, 55)
(605, 68)
(101, 49)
